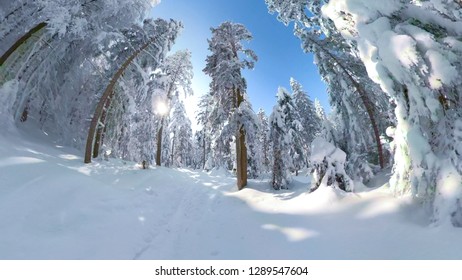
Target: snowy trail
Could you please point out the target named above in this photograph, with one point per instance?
(52, 206)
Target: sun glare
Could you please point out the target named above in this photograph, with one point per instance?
(162, 108)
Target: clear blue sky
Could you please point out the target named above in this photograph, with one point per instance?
(279, 52)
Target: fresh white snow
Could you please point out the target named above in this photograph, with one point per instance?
(52, 206)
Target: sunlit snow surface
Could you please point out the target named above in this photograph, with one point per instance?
(52, 206)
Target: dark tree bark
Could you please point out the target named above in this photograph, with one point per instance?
(101, 127)
(21, 41)
(103, 100)
(159, 142)
(241, 150)
(161, 129)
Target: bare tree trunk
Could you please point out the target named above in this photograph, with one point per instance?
(161, 129)
(21, 41)
(159, 142)
(173, 146)
(101, 127)
(101, 104)
(241, 150)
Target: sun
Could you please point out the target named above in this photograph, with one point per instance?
(162, 108)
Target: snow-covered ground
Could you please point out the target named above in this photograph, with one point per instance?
(52, 206)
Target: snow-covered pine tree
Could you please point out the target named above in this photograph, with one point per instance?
(18, 29)
(308, 118)
(250, 123)
(166, 143)
(180, 137)
(338, 64)
(320, 113)
(153, 38)
(178, 72)
(264, 140)
(205, 131)
(131, 125)
(328, 166)
(220, 137)
(327, 124)
(228, 87)
(411, 49)
(344, 99)
(197, 162)
(285, 130)
(63, 69)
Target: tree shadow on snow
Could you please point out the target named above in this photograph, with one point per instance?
(225, 226)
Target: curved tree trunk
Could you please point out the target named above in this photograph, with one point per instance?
(22, 110)
(366, 102)
(101, 127)
(21, 41)
(104, 98)
(370, 112)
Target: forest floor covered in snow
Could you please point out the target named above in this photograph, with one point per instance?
(52, 206)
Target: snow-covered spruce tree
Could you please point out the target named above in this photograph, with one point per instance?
(204, 134)
(310, 122)
(218, 136)
(197, 152)
(130, 126)
(65, 21)
(264, 140)
(153, 40)
(412, 50)
(60, 69)
(336, 59)
(178, 72)
(166, 145)
(328, 166)
(228, 87)
(320, 113)
(327, 160)
(326, 123)
(82, 17)
(285, 130)
(250, 122)
(349, 121)
(344, 99)
(133, 120)
(180, 137)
